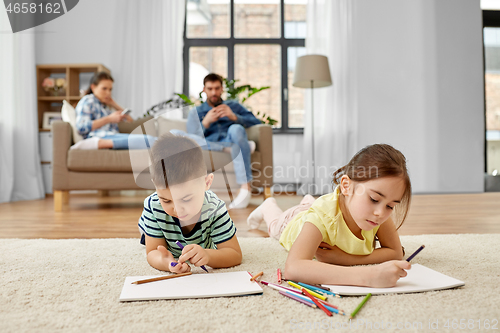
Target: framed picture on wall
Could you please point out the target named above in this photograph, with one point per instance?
(49, 117)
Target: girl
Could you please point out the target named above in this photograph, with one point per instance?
(339, 228)
(98, 124)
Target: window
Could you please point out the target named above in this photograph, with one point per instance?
(491, 42)
(205, 60)
(254, 41)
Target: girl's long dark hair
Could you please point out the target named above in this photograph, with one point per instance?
(96, 78)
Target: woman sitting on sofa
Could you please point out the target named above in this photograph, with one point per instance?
(98, 123)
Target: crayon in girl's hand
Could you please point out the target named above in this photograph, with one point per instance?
(415, 253)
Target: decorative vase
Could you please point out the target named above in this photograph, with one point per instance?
(58, 92)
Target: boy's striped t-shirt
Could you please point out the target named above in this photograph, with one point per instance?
(214, 226)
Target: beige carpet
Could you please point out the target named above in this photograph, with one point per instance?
(74, 286)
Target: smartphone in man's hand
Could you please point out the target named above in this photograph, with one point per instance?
(219, 102)
(126, 111)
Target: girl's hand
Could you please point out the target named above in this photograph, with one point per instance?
(195, 254)
(386, 275)
(115, 117)
(329, 254)
(168, 258)
(326, 246)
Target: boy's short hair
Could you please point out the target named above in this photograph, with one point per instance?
(176, 160)
(212, 77)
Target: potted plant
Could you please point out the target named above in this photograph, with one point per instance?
(54, 86)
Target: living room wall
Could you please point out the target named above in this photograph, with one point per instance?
(83, 35)
(420, 80)
(419, 74)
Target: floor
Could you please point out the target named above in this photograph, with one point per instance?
(115, 216)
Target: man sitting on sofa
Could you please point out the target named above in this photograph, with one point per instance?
(224, 122)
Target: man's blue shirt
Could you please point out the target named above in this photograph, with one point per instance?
(218, 129)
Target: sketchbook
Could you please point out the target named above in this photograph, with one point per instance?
(191, 286)
(419, 279)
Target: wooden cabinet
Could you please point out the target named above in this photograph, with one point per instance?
(45, 141)
(77, 77)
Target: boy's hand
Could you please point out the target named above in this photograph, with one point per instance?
(386, 274)
(169, 258)
(195, 254)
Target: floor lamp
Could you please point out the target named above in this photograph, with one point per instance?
(312, 71)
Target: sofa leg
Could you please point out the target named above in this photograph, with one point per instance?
(267, 192)
(61, 200)
(65, 198)
(103, 193)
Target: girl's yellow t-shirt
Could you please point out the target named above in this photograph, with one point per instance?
(325, 214)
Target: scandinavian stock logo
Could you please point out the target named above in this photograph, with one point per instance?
(25, 14)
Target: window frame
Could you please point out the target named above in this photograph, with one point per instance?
(491, 19)
(230, 44)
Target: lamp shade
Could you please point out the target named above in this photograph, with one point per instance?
(312, 71)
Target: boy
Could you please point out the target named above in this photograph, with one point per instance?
(184, 209)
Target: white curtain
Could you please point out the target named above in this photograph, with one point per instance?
(20, 169)
(330, 33)
(148, 47)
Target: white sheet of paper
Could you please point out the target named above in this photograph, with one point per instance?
(419, 279)
(199, 285)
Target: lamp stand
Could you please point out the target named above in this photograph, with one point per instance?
(310, 69)
(312, 127)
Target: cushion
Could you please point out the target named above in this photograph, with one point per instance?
(165, 125)
(69, 115)
(104, 160)
(101, 160)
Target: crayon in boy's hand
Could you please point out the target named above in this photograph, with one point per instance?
(182, 247)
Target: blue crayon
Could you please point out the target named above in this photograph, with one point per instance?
(316, 289)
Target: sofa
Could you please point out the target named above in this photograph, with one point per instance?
(106, 169)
